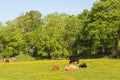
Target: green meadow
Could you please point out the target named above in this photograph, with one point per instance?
(97, 69)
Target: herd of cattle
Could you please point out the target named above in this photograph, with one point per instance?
(72, 67)
(13, 59)
(67, 68)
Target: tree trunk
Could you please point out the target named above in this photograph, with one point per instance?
(117, 41)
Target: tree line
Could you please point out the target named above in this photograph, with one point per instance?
(90, 34)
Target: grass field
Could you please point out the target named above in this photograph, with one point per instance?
(98, 69)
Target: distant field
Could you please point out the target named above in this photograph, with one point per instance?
(98, 69)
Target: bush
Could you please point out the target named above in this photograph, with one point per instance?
(7, 54)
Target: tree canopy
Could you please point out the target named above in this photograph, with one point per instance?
(93, 33)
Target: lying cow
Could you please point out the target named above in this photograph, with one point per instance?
(71, 68)
(55, 68)
(13, 59)
(6, 60)
(83, 65)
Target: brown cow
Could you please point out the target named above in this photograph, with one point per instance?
(6, 60)
(55, 68)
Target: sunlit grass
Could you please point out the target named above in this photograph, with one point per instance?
(98, 69)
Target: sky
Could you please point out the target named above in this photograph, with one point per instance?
(11, 9)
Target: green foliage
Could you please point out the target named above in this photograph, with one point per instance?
(7, 54)
(1, 48)
(29, 21)
(100, 26)
(43, 54)
(24, 57)
(59, 35)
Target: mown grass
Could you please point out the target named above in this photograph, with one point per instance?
(98, 69)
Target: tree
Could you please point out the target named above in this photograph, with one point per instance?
(12, 41)
(29, 21)
(53, 31)
(72, 29)
(102, 27)
(82, 42)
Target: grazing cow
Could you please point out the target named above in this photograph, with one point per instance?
(55, 68)
(6, 60)
(71, 68)
(13, 59)
(74, 59)
(83, 65)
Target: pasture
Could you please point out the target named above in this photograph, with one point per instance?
(98, 69)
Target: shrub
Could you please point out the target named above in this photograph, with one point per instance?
(7, 54)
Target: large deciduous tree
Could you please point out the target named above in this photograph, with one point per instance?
(102, 29)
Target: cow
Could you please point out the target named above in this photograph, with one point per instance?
(71, 68)
(13, 59)
(74, 59)
(55, 68)
(83, 65)
(6, 60)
